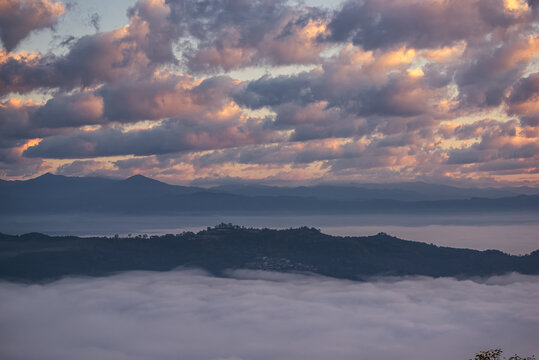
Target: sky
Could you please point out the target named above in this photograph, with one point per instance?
(278, 92)
(262, 315)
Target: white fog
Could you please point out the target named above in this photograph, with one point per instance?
(260, 315)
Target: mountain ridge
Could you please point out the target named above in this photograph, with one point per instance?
(38, 257)
(139, 194)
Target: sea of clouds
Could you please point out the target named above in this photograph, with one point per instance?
(187, 314)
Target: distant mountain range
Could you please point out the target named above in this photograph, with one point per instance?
(37, 257)
(141, 195)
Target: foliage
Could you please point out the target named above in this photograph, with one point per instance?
(38, 257)
(496, 354)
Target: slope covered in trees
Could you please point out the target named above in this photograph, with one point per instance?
(36, 257)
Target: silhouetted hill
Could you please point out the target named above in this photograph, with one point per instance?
(37, 257)
(415, 191)
(141, 195)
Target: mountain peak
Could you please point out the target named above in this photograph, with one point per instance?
(138, 177)
(48, 177)
(141, 179)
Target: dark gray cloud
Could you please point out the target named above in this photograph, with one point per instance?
(16, 123)
(526, 89)
(231, 34)
(497, 140)
(173, 135)
(480, 153)
(63, 113)
(493, 149)
(14, 165)
(92, 59)
(524, 99)
(95, 21)
(321, 104)
(25, 73)
(317, 121)
(18, 18)
(154, 31)
(273, 91)
(78, 167)
(374, 24)
(73, 110)
(485, 75)
(257, 315)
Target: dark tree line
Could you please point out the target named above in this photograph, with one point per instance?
(496, 354)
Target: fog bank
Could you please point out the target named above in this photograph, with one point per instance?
(262, 315)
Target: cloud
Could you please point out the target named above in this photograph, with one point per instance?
(390, 88)
(13, 164)
(498, 140)
(374, 24)
(356, 92)
(23, 120)
(318, 121)
(95, 21)
(257, 315)
(153, 30)
(293, 152)
(507, 167)
(18, 18)
(126, 101)
(73, 110)
(171, 136)
(24, 72)
(134, 50)
(91, 60)
(483, 78)
(226, 35)
(132, 100)
(77, 167)
(16, 122)
(524, 100)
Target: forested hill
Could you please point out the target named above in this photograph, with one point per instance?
(38, 257)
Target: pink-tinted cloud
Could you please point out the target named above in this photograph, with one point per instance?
(18, 18)
(165, 96)
(394, 93)
(131, 51)
(498, 140)
(374, 24)
(173, 135)
(233, 34)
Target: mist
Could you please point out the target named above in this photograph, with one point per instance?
(186, 314)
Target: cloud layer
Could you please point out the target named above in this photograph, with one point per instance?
(257, 315)
(369, 91)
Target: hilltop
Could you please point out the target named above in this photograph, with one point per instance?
(38, 257)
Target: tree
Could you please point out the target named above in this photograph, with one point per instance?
(496, 354)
